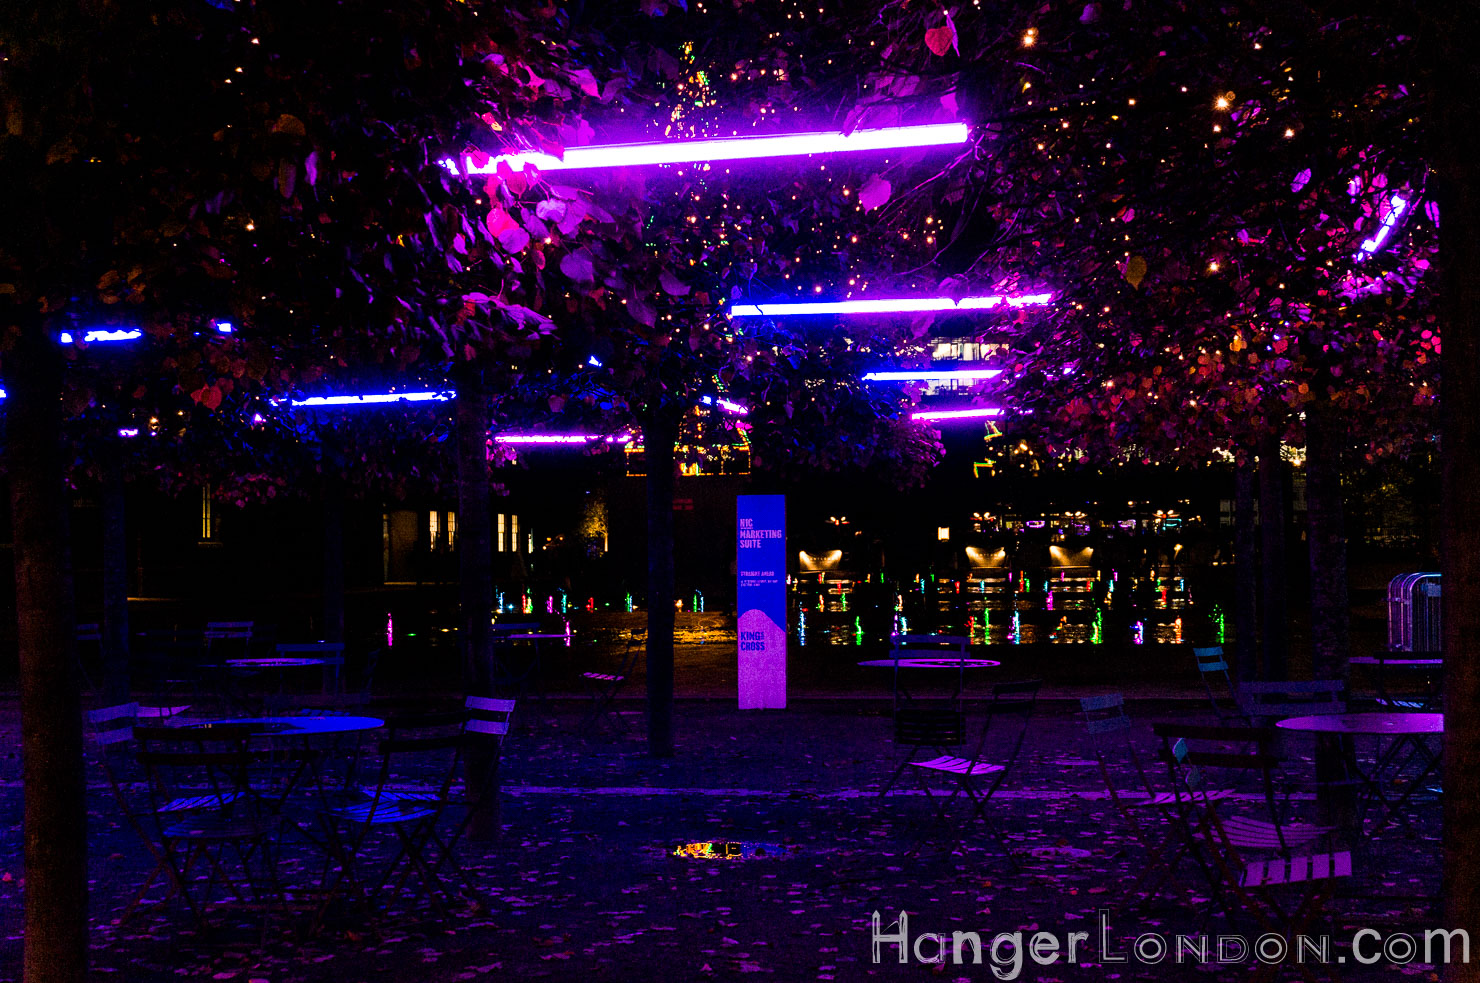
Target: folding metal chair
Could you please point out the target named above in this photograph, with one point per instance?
(1256, 885)
(1212, 667)
(203, 802)
(602, 687)
(430, 744)
(1010, 701)
(110, 732)
(1155, 819)
(1252, 758)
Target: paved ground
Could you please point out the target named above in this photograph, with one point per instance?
(583, 883)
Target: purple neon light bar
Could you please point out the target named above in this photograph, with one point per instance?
(894, 305)
(1397, 205)
(978, 413)
(927, 375)
(102, 334)
(729, 148)
(560, 439)
(370, 399)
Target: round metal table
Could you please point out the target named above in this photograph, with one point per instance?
(291, 726)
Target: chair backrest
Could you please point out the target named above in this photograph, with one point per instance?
(112, 725)
(228, 629)
(1210, 659)
(1308, 698)
(1252, 755)
(929, 726)
(943, 646)
(1104, 714)
(197, 767)
(1105, 717)
(422, 743)
(488, 716)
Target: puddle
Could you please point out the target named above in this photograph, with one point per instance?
(733, 850)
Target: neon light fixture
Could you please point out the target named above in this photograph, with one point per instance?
(923, 375)
(894, 305)
(972, 414)
(100, 334)
(560, 438)
(731, 148)
(368, 399)
(727, 405)
(1397, 205)
(128, 431)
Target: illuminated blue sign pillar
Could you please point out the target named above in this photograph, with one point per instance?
(760, 564)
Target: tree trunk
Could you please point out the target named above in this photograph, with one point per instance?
(51, 708)
(659, 435)
(115, 584)
(331, 489)
(475, 579)
(1330, 611)
(1275, 628)
(1245, 575)
(1456, 85)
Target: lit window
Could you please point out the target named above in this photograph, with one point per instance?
(514, 533)
(501, 518)
(451, 530)
(207, 519)
(434, 529)
(943, 533)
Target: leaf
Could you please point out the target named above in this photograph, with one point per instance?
(311, 168)
(513, 239)
(1301, 180)
(875, 192)
(578, 266)
(1135, 271)
(642, 311)
(289, 124)
(499, 222)
(672, 284)
(941, 39)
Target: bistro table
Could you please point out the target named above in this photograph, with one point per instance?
(1404, 726)
(230, 670)
(535, 667)
(928, 662)
(289, 726)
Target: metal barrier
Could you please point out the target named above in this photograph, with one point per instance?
(1413, 613)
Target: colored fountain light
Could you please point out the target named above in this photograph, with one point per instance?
(928, 375)
(972, 414)
(730, 148)
(893, 305)
(103, 334)
(368, 399)
(1397, 205)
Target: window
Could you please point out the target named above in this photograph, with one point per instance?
(207, 517)
(434, 530)
(501, 518)
(451, 530)
(514, 533)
